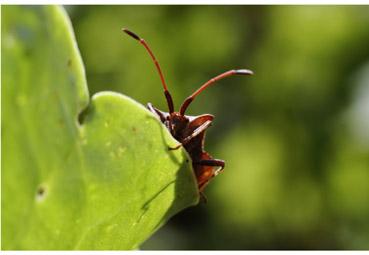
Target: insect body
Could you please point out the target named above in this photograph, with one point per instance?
(189, 131)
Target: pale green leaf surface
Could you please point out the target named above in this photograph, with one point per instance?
(107, 183)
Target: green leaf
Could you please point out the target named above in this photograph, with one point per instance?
(106, 183)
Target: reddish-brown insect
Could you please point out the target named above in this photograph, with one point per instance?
(190, 130)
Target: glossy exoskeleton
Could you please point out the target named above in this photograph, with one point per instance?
(189, 131)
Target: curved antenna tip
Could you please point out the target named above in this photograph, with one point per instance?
(130, 33)
(244, 72)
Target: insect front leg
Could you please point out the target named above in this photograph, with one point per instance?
(195, 133)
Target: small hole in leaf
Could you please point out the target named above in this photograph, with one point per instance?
(82, 115)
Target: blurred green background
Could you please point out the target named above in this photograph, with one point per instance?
(295, 136)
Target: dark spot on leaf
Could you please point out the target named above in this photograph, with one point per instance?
(61, 122)
(40, 193)
(69, 63)
(134, 129)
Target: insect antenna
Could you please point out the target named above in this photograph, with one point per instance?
(166, 91)
(189, 99)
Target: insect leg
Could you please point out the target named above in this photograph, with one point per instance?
(195, 133)
(205, 176)
(203, 197)
(212, 162)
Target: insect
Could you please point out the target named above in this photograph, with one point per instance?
(189, 131)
